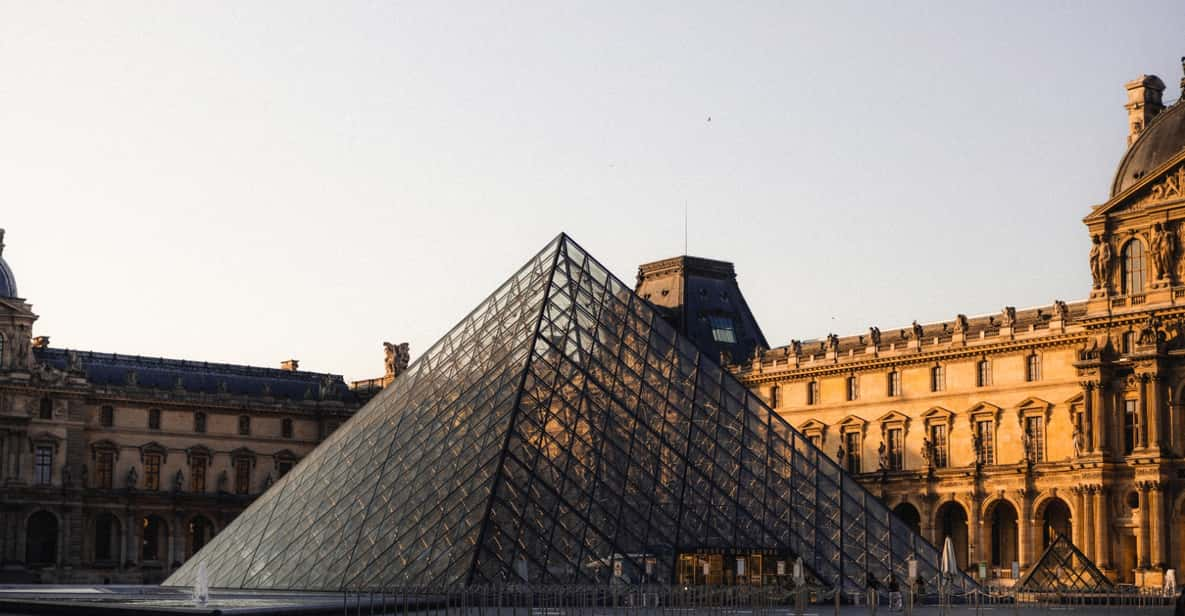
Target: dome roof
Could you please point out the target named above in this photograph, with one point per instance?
(7, 281)
(1163, 138)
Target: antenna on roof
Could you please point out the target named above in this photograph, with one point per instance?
(685, 227)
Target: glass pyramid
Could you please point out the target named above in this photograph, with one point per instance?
(1063, 568)
(561, 433)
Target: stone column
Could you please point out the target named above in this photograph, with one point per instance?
(1153, 411)
(1143, 543)
(1024, 529)
(1143, 392)
(975, 532)
(1098, 419)
(1083, 522)
(133, 553)
(1158, 553)
(1087, 427)
(1102, 526)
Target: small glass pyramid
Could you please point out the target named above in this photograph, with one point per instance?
(1063, 568)
(561, 433)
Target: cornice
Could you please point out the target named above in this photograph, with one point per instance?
(925, 357)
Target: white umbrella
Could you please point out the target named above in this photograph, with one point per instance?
(949, 564)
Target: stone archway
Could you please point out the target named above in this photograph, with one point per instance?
(154, 538)
(950, 520)
(909, 515)
(1056, 519)
(198, 533)
(107, 538)
(1003, 542)
(41, 539)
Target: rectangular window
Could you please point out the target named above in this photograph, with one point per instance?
(104, 469)
(937, 379)
(853, 389)
(242, 475)
(43, 465)
(107, 416)
(1127, 342)
(244, 425)
(723, 330)
(152, 471)
(852, 441)
(896, 449)
(1035, 428)
(197, 475)
(983, 373)
(773, 403)
(894, 383)
(987, 448)
(1131, 425)
(938, 443)
(1033, 368)
(812, 392)
(154, 419)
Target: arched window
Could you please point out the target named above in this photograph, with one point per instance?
(199, 422)
(1132, 263)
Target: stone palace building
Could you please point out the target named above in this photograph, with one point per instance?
(1003, 430)
(117, 468)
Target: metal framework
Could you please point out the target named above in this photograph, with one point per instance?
(561, 433)
(1064, 568)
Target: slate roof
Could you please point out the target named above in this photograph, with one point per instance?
(112, 369)
(1163, 138)
(7, 280)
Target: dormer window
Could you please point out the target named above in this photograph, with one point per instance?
(723, 330)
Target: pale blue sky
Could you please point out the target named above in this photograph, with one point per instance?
(248, 182)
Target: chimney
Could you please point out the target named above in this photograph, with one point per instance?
(291, 365)
(1143, 103)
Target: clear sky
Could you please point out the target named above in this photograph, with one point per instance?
(251, 181)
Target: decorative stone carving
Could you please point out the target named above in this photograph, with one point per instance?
(1172, 186)
(222, 481)
(832, 343)
(133, 478)
(874, 336)
(1061, 312)
(397, 358)
(74, 362)
(960, 324)
(796, 347)
(1008, 316)
(178, 481)
(1163, 246)
(882, 456)
(1150, 331)
(1100, 261)
(1078, 441)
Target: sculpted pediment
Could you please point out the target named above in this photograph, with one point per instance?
(1164, 186)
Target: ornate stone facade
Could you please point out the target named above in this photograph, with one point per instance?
(116, 468)
(1003, 430)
